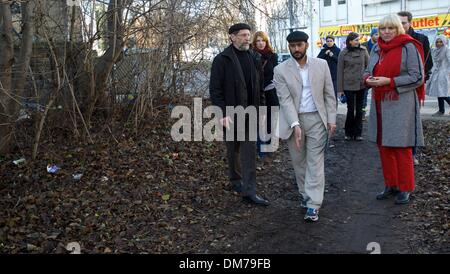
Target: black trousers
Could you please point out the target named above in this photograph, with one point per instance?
(335, 91)
(353, 122)
(241, 158)
(271, 101)
(441, 103)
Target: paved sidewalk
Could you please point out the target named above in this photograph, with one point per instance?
(429, 108)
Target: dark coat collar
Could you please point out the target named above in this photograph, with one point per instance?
(229, 52)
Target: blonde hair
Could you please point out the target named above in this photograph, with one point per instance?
(392, 20)
(265, 38)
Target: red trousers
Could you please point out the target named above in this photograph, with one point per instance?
(398, 167)
(397, 162)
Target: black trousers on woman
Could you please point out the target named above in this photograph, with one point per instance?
(441, 103)
(353, 123)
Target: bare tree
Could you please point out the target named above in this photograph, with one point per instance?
(151, 50)
(13, 74)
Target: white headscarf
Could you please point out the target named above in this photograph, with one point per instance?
(439, 54)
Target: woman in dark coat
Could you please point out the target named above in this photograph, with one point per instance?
(269, 60)
(330, 53)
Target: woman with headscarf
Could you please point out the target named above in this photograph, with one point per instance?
(439, 84)
(396, 75)
(352, 62)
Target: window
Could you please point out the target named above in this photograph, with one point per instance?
(327, 3)
(341, 2)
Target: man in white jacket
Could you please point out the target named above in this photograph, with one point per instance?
(307, 118)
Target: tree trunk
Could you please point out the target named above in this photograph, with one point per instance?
(6, 62)
(103, 68)
(26, 49)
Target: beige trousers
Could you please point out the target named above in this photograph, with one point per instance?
(309, 162)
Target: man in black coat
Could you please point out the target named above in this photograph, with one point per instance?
(236, 81)
(406, 18)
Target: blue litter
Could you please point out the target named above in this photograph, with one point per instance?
(52, 169)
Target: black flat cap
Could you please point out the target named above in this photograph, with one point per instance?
(238, 27)
(297, 36)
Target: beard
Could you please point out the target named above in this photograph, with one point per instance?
(244, 47)
(298, 55)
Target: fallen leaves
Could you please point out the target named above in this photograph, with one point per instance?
(430, 206)
(145, 194)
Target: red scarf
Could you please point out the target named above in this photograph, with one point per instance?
(265, 51)
(389, 66)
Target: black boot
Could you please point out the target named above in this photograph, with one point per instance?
(255, 199)
(387, 192)
(402, 198)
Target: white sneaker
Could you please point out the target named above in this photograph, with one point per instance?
(416, 161)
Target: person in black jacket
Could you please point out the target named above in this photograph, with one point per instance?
(330, 53)
(261, 44)
(236, 77)
(406, 19)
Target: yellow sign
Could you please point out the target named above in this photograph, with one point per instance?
(441, 20)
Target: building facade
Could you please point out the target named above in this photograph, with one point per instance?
(339, 17)
(320, 18)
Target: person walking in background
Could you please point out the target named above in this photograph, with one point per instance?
(406, 19)
(369, 46)
(352, 62)
(372, 41)
(235, 81)
(396, 75)
(439, 84)
(307, 118)
(269, 59)
(330, 53)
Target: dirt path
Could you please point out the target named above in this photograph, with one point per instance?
(350, 218)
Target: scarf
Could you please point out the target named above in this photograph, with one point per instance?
(389, 66)
(439, 54)
(333, 48)
(265, 51)
(370, 45)
(350, 48)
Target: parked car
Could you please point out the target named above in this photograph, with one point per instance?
(283, 56)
